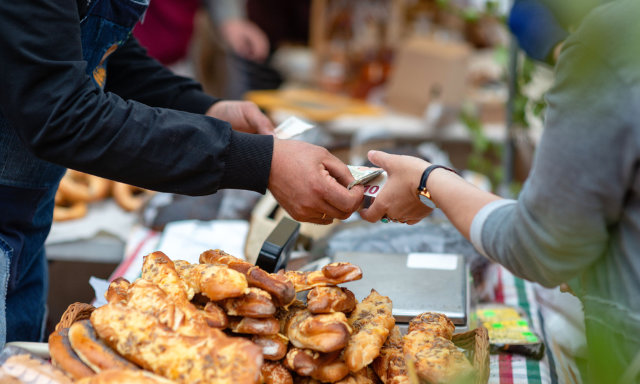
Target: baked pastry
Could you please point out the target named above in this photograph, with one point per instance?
(65, 211)
(65, 358)
(436, 359)
(331, 274)
(371, 322)
(432, 322)
(174, 312)
(326, 367)
(327, 332)
(158, 268)
(119, 376)
(274, 347)
(93, 351)
(21, 368)
(129, 197)
(76, 186)
(363, 376)
(275, 373)
(330, 299)
(281, 289)
(390, 365)
(251, 326)
(117, 290)
(217, 282)
(215, 316)
(144, 340)
(254, 303)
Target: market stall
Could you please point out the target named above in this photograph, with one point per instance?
(228, 289)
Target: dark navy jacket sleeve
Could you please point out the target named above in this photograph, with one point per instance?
(64, 118)
(132, 74)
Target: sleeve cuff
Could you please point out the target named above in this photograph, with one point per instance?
(248, 162)
(480, 218)
(194, 101)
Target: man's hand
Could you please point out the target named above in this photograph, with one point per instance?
(246, 39)
(244, 116)
(310, 183)
(398, 199)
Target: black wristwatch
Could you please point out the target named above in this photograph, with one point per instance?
(423, 194)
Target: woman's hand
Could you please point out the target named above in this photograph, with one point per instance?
(398, 200)
(244, 116)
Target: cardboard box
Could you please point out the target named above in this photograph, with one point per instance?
(426, 69)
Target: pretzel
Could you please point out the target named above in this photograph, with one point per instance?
(215, 317)
(331, 274)
(390, 365)
(323, 332)
(217, 282)
(274, 347)
(275, 373)
(435, 323)
(113, 376)
(77, 186)
(63, 356)
(251, 326)
(281, 290)
(330, 299)
(129, 197)
(363, 376)
(92, 351)
(325, 367)
(69, 211)
(142, 339)
(117, 290)
(371, 322)
(254, 303)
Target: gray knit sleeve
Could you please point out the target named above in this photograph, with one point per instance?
(582, 170)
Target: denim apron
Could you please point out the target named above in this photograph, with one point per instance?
(28, 186)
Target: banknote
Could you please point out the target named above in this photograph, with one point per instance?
(292, 127)
(362, 174)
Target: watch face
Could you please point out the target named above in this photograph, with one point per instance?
(427, 201)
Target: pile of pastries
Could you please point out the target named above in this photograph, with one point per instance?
(226, 321)
(77, 190)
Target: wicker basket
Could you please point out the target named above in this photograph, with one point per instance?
(74, 312)
(474, 342)
(476, 345)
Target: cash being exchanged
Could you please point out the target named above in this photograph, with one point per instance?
(362, 174)
(292, 127)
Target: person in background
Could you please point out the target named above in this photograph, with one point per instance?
(577, 219)
(541, 26)
(253, 30)
(77, 91)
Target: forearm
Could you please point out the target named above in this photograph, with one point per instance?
(459, 200)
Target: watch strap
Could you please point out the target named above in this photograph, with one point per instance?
(425, 175)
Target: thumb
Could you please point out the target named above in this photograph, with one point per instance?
(338, 170)
(379, 158)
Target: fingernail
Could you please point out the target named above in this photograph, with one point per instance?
(384, 220)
